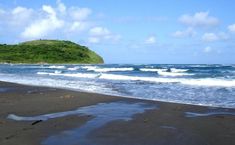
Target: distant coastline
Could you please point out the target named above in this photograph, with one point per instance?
(48, 52)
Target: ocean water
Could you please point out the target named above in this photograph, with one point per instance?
(207, 85)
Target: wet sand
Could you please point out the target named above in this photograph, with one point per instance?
(164, 124)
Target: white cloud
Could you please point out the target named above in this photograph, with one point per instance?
(69, 20)
(79, 17)
(48, 9)
(99, 34)
(19, 10)
(150, 40)
(20, 16)
(40, 23)
(231, 28)
(94, 40)
(199, 19)
(43, 27)
(58, 21)
(207, 49)
(61, 7)
(13, 19)
(79, 14)
(210, 37)
(99, 31)
(189, 32)
(79, 26)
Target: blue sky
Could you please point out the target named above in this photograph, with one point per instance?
(128, 31)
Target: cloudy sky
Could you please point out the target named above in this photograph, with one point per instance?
(128, 31)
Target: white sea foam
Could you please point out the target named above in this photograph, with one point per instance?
(98, 69)
(136, 78)
(185, 81)
(176, 70)
(42, 73)
(79, 75)
(112, 69)
(72, 81)
(56, 67)
(163, 72)
(58, 72)
(89, 67)
(82, 75)
(194, 82)
(173, 74)
(152, 69)
(209, 82)
(58, 83)
(73, 68)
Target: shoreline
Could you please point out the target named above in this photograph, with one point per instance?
(166, 124)
(115, 95)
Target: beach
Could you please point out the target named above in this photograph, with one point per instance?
(161, 123)
(131, 72)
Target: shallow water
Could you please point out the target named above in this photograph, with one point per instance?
(206, 114)
(103, 113)
(4, 90)
(207, 85)
(168, 127)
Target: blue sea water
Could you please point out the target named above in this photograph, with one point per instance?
(207, 85)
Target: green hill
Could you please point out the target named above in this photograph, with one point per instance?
(47, 51)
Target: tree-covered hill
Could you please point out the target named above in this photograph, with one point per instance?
(47, 51)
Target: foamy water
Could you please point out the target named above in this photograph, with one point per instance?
(208, 85)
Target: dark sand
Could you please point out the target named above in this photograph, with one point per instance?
(165, 125)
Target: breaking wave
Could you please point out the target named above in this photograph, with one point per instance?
(191, 81)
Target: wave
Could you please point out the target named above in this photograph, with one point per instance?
(113, 69)
(79, 75)
(210, 82)
(163, 72)
(42, 73)
(56, 67)
(73, 84)
(152, 69)
(194, 82)
(89, 67)
(97, 69)
(73, 68)
(173, 74)
(58, 72)
(177, 70)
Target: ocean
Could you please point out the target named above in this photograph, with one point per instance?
(201, 84)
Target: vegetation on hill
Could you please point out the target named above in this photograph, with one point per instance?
(47, 51)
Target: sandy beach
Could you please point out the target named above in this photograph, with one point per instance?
(101, 72)
(161, 124)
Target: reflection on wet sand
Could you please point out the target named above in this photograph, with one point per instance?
(103, 113)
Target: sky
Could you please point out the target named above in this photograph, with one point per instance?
(129, 31)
